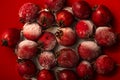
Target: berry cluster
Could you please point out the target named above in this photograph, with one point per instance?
(62, 43)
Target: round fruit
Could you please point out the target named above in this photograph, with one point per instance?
(45, 75)
(105, 36)
(88, 50)
(104, 64)
(64, 18)
(47, 60)
(66, 36)
(47, 41)
(84, 29)
(101, 16)
(81, 9)
(85, 70)
(67, 58)
(26, 68)
(10, 37)
(54, 5)
(32, 31)
(67, 75)
(27, 49)
(46, 19)
(28, 12)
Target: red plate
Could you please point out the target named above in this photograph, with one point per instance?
(9, 18)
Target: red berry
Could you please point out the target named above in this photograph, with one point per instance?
(28, 12)
(105, 36)
(45, 75)
(10, 37)
(46, 19)
(47, 60)
(104, 65)
(84, 28)
(27, 49)
(66, 36)
(85, 70)
(81, 9)
(47, 41)
(54, 5)
(88, 50)
(67, 58)
(67, 75)
(26, 68)
(64, 18)
(32, 31)
(101, 16)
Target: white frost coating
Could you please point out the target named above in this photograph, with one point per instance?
(93, 47)
(90, 45)
(104, 32)
(86, 63)
(32, 29)
(90, 27)
(102, 56)
(28, 43)
(69, 9)
(51, 45)
(47, 60)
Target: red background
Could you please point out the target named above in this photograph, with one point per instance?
(9, 18)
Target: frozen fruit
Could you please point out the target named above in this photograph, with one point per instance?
(66, 36)
(27, 49)
(81, 9)
(88, 50)
(67, 75)
(64, 18)
(67, 58)
(28, 12)
(47, 60)
(47, 41)
(10, 37)
(45, 75)
(101, 16)
(32, 31)
(105, 36)
(54, 5)
(84, 29)
(85, 70)
(26, 68)
(104, 64)
(46, 19)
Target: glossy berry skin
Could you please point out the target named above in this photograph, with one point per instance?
(45, 75)
(105, 36)
(32, 31)
(54, 5)
(64, 18)
(67, 58)
(47, 60)
(47, 41)
(85, 70)
(88, 50)
(28, 12)
(26, 68)
(101, 16)
(46, 19)
(27, 49)
(81, 9)
(104, 65)
(67, 75)
(10, 37)
(84, 28)
(66, 36)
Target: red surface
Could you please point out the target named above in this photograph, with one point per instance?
(9, 18)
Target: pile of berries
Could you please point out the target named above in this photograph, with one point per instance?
(63, 43)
